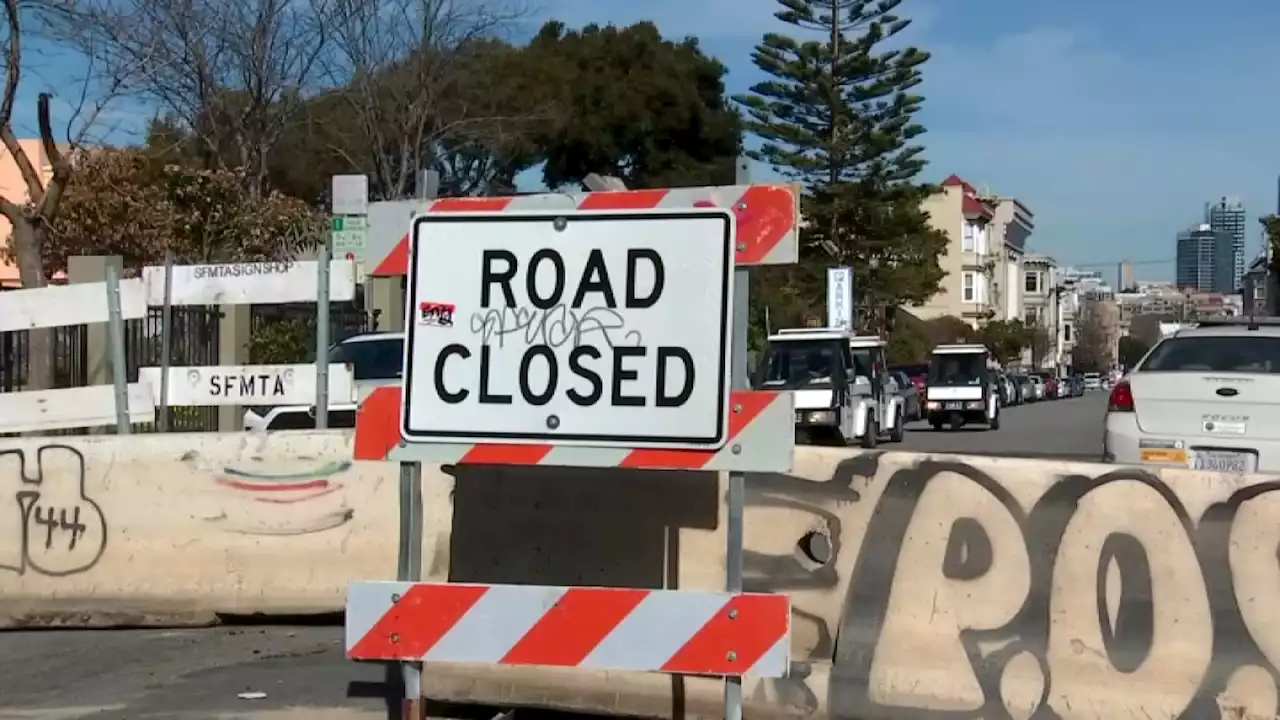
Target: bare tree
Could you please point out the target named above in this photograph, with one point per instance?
(235, 73)
(1097, 330)
(414, 77)
(31, 217)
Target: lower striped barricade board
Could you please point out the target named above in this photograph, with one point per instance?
(670, 631)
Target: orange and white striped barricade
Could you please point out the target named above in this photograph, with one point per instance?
(607, 332)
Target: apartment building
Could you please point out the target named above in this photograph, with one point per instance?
(14, 188)
(983, 264)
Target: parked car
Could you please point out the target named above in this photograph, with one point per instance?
(909, 393)
(1093, 381)
(1037, 388)
(1008, 389)
(1204, 398)
(1051, 385)
(918, 375)
(375, 359)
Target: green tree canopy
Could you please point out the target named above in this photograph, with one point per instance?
(632, 104)
(949, 329)
(1006, 339)
(126, 202)
(1131, 350)
(837, 116)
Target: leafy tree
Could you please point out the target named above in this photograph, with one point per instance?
(282, 343)
(125, 202)
(909, 341)
(634, 105)
(949, 329)
(837, 116)
(1006, 339)
(1131, 350)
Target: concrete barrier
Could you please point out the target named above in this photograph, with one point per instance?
(923, 585)
(180, 528)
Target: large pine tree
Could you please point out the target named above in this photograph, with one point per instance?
(838, 117)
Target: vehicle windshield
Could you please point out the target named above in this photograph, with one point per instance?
(957, 369)
(1210, 353)
(376, 359)
(797, 363)
(863, 363)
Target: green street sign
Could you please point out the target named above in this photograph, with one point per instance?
(350, 234)
(346, 223)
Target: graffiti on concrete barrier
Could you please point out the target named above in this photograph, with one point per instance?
(51, 527)
(1111, 595)
(254, 502)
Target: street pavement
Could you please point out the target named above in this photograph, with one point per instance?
(1069, 429)
(202, 674)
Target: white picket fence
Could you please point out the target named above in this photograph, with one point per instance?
(221, 284)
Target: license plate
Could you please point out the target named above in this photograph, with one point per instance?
(953, 405)
(1230, 462)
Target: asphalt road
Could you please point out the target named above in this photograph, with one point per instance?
(202, 674)
(1069, 429)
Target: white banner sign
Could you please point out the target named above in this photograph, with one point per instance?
(82, 407)
(264, 283)
(249, 385)
(608, 329)
(840, 298)
(62, 305)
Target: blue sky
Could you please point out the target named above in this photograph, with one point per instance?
(1113, 121)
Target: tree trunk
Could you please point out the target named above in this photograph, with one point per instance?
(40, 350)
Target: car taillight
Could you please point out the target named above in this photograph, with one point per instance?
(1121, 398)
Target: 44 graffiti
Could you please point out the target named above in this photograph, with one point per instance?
(52, 527)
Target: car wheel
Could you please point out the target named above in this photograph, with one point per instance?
(870, 435)
(898, 432)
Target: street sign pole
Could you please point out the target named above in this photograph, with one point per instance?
(349, 198)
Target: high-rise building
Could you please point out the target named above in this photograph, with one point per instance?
(1206, 260)
(1227, 215)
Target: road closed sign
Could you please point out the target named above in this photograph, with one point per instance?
(590, 328)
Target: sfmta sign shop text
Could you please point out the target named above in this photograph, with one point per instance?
(607, 329)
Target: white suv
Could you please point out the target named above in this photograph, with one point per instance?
(1206, 398)
(375, 359)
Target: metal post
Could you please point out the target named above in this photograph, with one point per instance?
(166, 340)
(409, 569)
(737, 481)
(322, 335)
(119, 377)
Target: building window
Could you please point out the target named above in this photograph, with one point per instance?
(969, 243)
(1032, 316)
(1260, 292)
(969, 289)
(1066, 332)
(1032, 282)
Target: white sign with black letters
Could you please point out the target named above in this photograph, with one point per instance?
(199, 386)
(588, 328)
(263, 283)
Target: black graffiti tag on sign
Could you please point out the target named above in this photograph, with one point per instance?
(1105, 590)
(53, 527)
